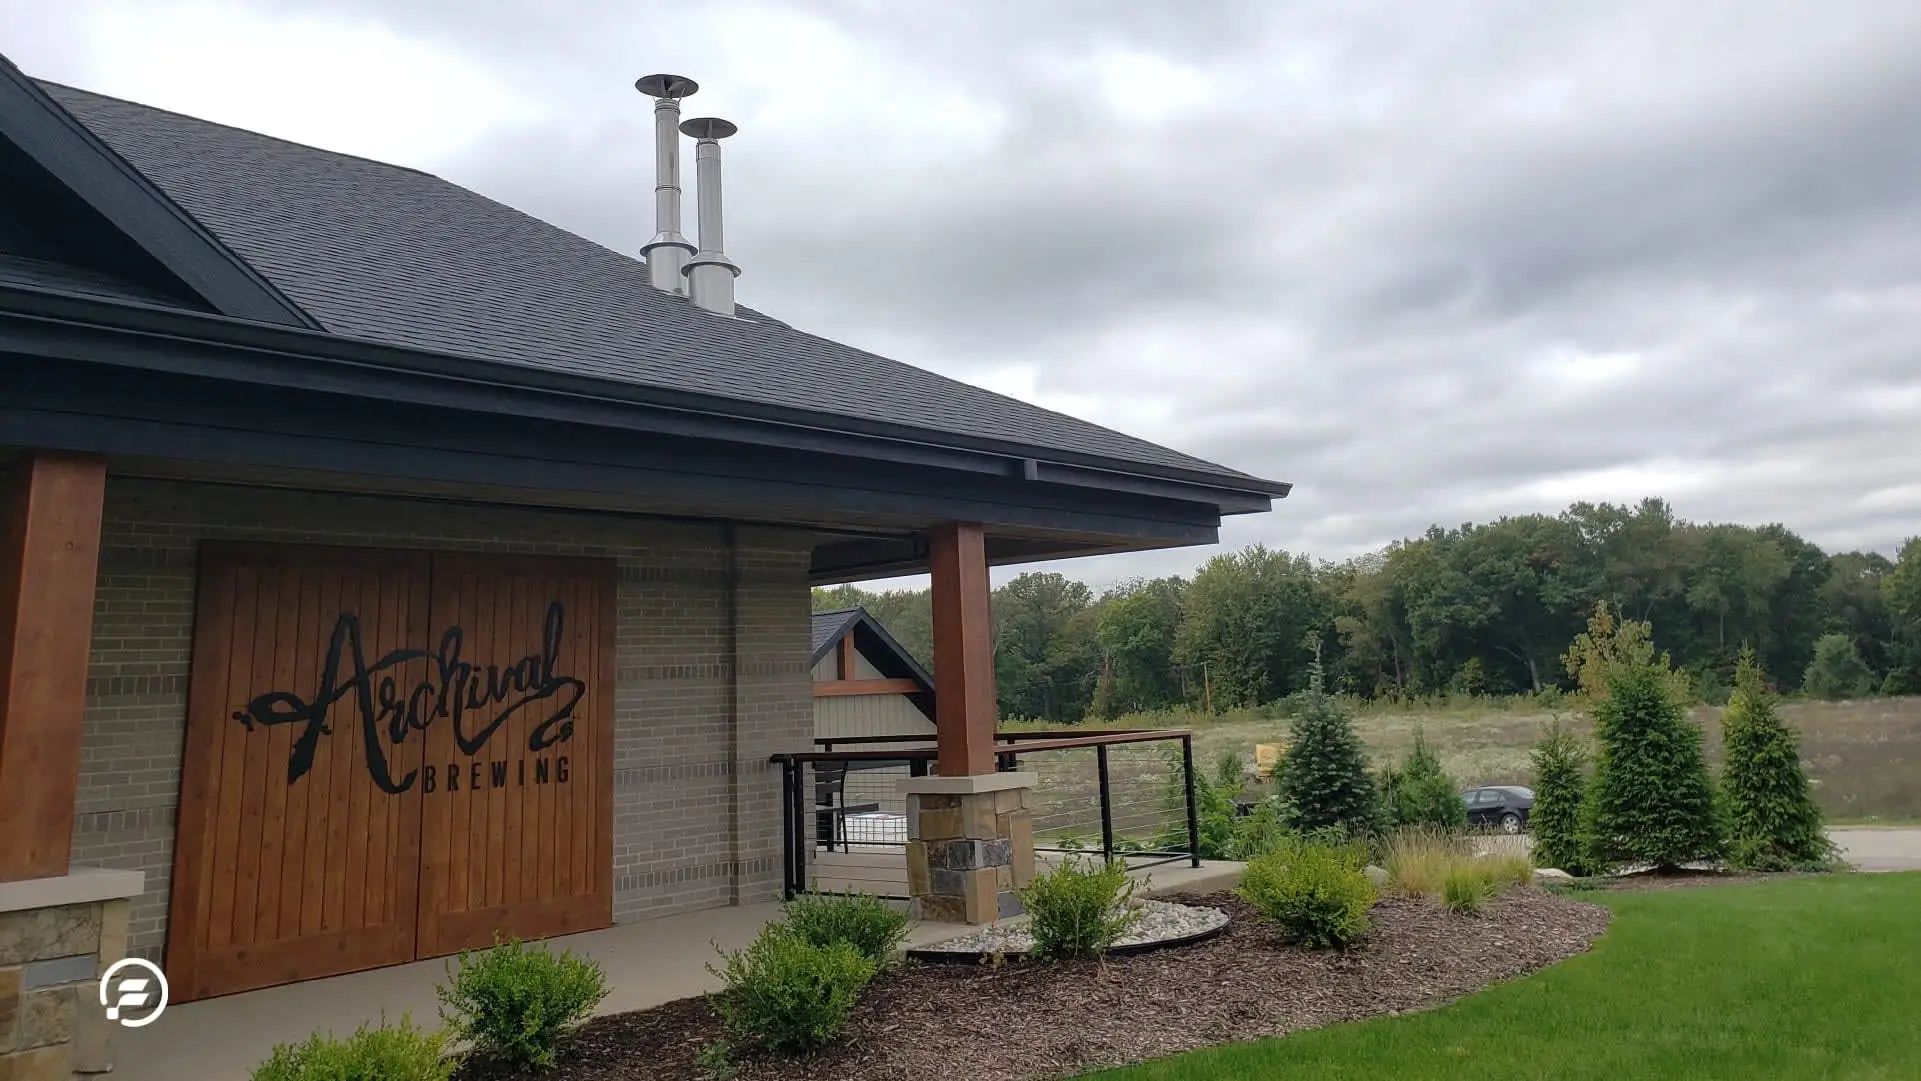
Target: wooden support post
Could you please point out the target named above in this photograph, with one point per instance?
(964, 707)
(49, 558)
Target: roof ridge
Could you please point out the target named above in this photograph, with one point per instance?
(235, 127)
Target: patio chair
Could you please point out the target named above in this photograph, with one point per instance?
(830, 804)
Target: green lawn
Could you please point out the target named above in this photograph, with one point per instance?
(1816, 978)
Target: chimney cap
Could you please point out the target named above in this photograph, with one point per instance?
(707, 127)
(666, 86)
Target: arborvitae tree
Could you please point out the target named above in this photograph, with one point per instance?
(1773, 822)
(1558, 784)
(1837, 670)
(1420, 793)
(1652, 799)
(1325, 775)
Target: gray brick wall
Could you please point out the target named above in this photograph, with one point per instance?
(696, 806)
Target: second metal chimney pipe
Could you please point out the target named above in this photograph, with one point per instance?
(710, 274)
(667, 253)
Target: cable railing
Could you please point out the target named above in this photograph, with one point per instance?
(844, 818)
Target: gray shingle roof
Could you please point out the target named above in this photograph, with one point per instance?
(400, 257)
(828, 625)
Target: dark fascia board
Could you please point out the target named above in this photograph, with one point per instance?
(141, 414)
(47, 323)
(123, 196)
(904, 660)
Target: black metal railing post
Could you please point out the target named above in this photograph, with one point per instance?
(798, 840)
(1193, 818)
(787, 848)
(1107, 805)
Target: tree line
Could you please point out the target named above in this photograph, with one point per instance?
(1468, 610)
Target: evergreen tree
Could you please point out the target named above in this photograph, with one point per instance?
(1556, 819)
(1325, 775)
(1773, 822)
(1420, 793)
(1837, 670)
(1652, 799)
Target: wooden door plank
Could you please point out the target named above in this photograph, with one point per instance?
(193, 877)
(233, 763)
(273, 817)
(323, 834)
(246, 891)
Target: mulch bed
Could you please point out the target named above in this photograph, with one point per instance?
(1029, 1021)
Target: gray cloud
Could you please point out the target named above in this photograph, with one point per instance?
(1431, 262)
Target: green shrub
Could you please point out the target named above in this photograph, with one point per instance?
(1837, 670)
(1420, 793)
(1465, 891)
(1773, 822)
(1558, 788)
(1652, 799)
(787, 994)
(373, 1053)
(1316, 894)
(1325, 776)
(517, 1003)
(861, 920)
(1078, 908)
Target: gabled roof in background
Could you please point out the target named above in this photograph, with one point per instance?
(872, 640)
(398, 257)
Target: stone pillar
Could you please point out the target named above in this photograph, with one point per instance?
(970, 845)
(57, 937)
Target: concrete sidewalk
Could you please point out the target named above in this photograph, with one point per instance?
(221, 1039)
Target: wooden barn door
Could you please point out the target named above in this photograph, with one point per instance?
(517, 833)
(389, 756)
(294, 861)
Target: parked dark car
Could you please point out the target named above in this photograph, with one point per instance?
(1506, 806)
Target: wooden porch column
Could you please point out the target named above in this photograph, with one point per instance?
(965, 711)
(50, 509)
(970, 836)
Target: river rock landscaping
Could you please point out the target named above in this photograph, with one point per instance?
(1028, 1021)
(1158, 923)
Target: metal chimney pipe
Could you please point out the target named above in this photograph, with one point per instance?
(668, 252)
(710, 274)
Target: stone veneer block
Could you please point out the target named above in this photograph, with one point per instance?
(916, 868)
(942, 882)
(47, 1017)
(978, 819)
(60, 970)
(113, 934)
(9, 1007)
(936, 909)
(983, 895)
(938, 825)
(1020, 839)
(37, 935)
(53, 1063)
(1010, 799)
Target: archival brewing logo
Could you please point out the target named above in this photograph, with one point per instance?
(134, 991)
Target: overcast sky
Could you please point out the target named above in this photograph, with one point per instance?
(1431, 262)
